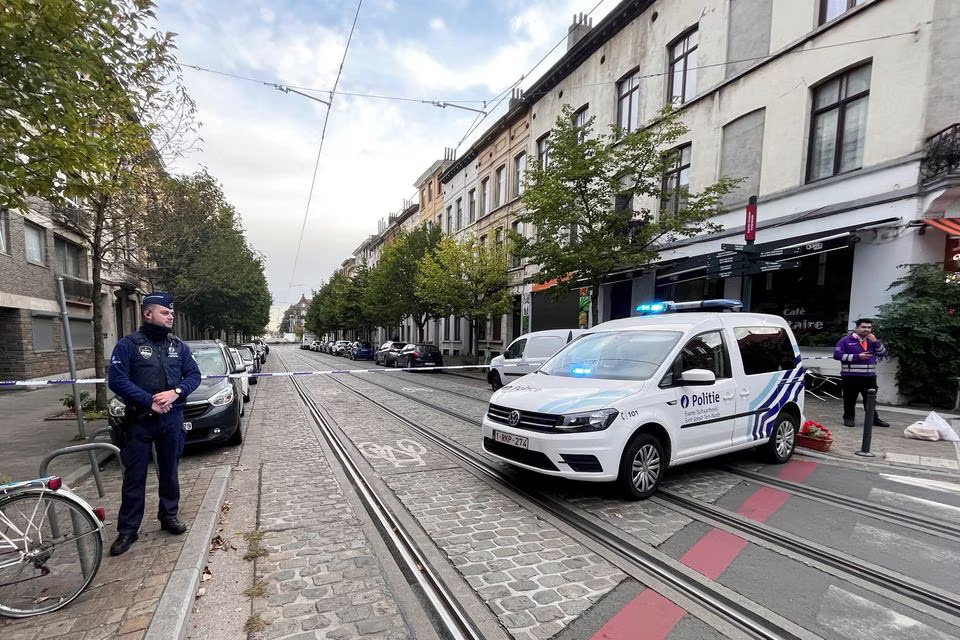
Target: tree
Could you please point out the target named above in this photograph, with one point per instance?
(920, 326)
(466, 279)
(391, 294)
(596, 206)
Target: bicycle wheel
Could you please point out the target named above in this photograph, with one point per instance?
(50, 551)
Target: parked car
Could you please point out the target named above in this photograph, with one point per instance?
(328, 346)
(387, 354)
(212, 413)
(249, 357)
(315, 345)
(525, 354)
(415, 355)
(632, 397)
(237, 361)
(361, 350)
(339, 347)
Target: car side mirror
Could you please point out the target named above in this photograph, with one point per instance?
(240, 369)
(698, 378)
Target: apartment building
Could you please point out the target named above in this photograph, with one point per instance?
(838, 115)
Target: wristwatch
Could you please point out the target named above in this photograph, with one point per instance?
(178, 391)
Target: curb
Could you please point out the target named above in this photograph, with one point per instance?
(173, 611)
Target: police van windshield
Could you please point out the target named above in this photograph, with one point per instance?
(210, 360)
(613, 355)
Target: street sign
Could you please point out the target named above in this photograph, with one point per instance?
(750, 227)
(727, 261)
(780, 253)
(763, 266)
(733, 247)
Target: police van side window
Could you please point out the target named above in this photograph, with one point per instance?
(515, 350)
(764, 349)
(543, 346)
(705, 351)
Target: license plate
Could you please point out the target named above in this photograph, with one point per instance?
(429, 364)
(187, 426)
(514, 441)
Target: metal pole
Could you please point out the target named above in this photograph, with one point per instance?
(71, 362)
(870, 411)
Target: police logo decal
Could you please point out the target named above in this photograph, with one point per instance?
(146, 351)
(172, 352)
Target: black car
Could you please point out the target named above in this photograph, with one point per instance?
(213, 410)
(388, 352)
(416, 355)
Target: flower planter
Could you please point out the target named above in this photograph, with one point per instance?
(817, 444)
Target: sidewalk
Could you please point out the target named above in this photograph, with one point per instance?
(889, 445)
(154, 576)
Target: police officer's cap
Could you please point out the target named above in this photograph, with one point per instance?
(161, 298)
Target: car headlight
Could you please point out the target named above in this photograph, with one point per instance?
(222, 398)
(588, 420)
(116, 408)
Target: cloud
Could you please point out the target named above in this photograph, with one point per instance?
(437, 24)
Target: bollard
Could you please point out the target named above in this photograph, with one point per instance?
(870, 411)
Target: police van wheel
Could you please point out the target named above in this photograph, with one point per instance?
(495, 381)
(780, 447)
(641, 467)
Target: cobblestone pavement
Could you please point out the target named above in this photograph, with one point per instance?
(321, 576)
(124, 595)
(533, 577)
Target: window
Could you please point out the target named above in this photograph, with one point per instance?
(613, 355)
(42, 327)
(683, 68)
(430, 191)
(472, 205)
(482, 329)
(518, 230)
(515, 350)
(497, 325)
(446, 328)
(765, 349)
(519, 173)
(449, 218)
(705, 351)
(543, 151)
(68, 258)
(499, 237)
(81, 333)
(4, 231)
(580, 120)
(501, 176)
(35, 240)
(484, 197)
(830, 9)
(423, 196)
(456, 328)
(676, 180)
(459, 213)
(543, 346)
(839, 124)
(483, 240)
(628, 102)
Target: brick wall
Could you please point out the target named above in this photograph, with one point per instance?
(18, 360)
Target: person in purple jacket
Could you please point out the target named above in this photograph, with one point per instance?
(858, 353)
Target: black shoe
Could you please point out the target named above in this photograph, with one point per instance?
(878, 422)
(848, 422)
(174, 526)
(122, 543)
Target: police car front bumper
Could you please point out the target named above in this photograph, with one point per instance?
(593, 456)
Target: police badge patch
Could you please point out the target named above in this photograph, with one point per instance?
(146, 351)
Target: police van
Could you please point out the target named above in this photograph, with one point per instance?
(632, 397)
(525, 354)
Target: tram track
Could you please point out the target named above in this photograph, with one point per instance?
(924, 597)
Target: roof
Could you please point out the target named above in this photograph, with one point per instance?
(437, 165)
(518, 109)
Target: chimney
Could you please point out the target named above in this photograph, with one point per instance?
(515, 96)
(449, 153)
(580, 27)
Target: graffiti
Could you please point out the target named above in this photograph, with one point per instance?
(407, 453)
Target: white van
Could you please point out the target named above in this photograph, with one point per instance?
(527, 353)
(632, 397)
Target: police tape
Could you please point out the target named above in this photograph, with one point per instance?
(275, 374)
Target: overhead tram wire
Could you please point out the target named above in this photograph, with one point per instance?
(323, 135)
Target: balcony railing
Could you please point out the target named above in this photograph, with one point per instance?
(77, 290)
(942, 157)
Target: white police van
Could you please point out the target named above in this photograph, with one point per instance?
(525, 354)
(632, 397)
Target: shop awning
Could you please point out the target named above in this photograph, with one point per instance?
(945, 224)
(943, 212)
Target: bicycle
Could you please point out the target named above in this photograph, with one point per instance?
(51, 545)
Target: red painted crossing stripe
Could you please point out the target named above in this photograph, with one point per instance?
(650, 616)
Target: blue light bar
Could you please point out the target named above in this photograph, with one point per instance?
(653, 307)
(718, 304)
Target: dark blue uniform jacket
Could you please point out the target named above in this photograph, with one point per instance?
(140, 368)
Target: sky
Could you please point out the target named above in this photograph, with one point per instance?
(262, 143)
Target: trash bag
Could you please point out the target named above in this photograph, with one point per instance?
(943, 427)
(920, 431)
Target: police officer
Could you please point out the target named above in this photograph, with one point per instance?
(153, 372)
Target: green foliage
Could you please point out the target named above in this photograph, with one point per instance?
(203, 258)
(87, 402)
(86, 88)
(465, 279)
(921, 327)
(581, 232)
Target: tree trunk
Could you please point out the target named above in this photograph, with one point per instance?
(471, 329)
(594, 304)
(96, 267)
